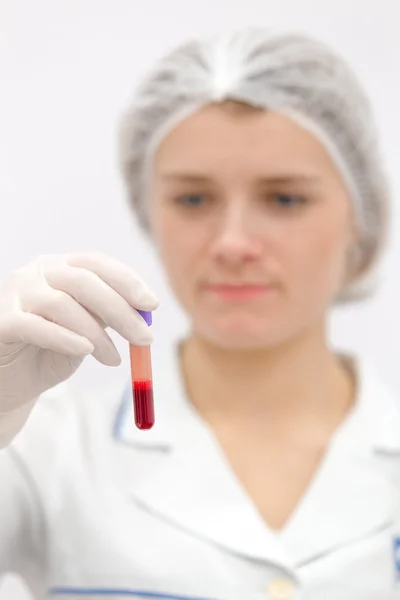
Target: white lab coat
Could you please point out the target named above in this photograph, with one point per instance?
(91, 507)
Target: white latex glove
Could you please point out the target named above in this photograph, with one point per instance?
(54, 311)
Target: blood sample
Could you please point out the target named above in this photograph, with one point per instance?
(142, 381)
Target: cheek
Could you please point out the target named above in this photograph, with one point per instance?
(316, 257)
(179, 249)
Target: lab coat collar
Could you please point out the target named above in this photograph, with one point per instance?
(351, 497)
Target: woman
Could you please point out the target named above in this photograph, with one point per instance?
(272, 470)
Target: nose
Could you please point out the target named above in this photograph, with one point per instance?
(237, 237)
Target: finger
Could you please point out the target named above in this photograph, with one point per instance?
(58, 307)
(31, 329)
(101, 300)
(119, 277)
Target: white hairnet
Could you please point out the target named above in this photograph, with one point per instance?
(290, 74)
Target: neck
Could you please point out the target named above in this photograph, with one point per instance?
(299, 382)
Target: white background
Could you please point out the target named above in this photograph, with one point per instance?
(67, 67)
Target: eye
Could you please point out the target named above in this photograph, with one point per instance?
(191, 200)
(288, 200)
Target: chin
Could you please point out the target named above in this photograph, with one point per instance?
(241, 345)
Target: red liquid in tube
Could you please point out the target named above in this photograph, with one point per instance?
(142, 386)
(143, 404)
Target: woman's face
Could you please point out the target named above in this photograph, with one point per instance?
(252, 222)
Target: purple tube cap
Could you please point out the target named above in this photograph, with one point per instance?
(147, 316)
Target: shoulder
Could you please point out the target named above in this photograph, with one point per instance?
(378, 406)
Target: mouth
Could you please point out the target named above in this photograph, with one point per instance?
(245, 291)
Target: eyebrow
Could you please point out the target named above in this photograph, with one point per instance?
(280, 179)
(189, 177)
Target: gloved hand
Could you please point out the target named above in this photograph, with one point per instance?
(54, 311)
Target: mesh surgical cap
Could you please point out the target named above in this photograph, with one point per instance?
(291, 74)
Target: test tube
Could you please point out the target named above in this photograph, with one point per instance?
(142, 381)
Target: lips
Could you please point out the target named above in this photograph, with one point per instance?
(238, 290)
(237, 286)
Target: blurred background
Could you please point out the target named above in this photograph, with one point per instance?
(68, 67)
